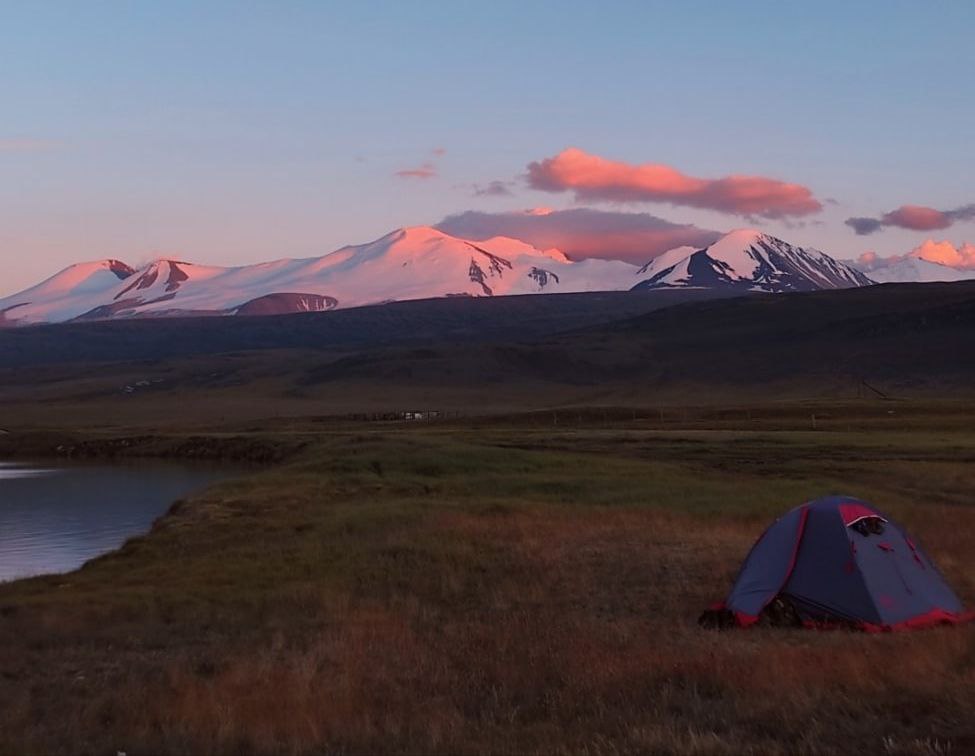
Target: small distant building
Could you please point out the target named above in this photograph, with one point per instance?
(409, 415)
(420, 415)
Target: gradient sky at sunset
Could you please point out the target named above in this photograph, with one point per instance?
(233, 132)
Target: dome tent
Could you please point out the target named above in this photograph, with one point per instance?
(840, 562)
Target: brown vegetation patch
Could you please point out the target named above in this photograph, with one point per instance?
(435, 592)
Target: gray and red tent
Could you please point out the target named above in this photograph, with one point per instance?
(839, 561)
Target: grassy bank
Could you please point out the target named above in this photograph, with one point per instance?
(515, 586)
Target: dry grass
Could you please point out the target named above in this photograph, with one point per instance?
(448, 592)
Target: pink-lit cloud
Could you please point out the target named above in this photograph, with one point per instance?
(425, 171)
(960, 257)
(946, 253)
(582, 232)
(917, 218)
(591, 177)
(913, 218)
(871, 261)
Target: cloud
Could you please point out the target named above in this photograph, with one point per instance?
(963, 213)
(582, 232)
(913, 218)
(946, 253)
(871, 261)
(425, 171)
(916, 218)
(591, 177)
(493, 189)
(961, 257)
(864, 226)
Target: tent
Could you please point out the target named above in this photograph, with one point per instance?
(838, 562)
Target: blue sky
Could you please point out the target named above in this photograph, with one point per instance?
(237, 132)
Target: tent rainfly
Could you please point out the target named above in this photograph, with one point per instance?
(838, 562)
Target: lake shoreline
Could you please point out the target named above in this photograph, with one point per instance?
(229, 447)
(56, 515)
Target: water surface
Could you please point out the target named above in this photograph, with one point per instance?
(54, 517)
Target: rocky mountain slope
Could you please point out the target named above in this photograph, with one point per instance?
(749, 260)
(409, 264)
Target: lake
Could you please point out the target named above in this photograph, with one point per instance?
(55, 516)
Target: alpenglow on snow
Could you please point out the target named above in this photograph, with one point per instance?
(412, 263)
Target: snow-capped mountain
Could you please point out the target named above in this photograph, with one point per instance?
(410, 263)
(749, 260)
(67, 294)
(912, 270)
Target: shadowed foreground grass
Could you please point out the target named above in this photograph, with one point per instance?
(489, 591)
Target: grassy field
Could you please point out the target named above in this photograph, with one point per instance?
(499, 587)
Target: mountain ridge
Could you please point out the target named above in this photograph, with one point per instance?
(911, 269)
(751, 260)
(417, 262)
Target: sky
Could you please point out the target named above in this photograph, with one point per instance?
(236, 132)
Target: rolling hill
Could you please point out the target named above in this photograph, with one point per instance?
(635, 349)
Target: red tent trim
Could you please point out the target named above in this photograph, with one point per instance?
(934, 618)
(853, 513)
